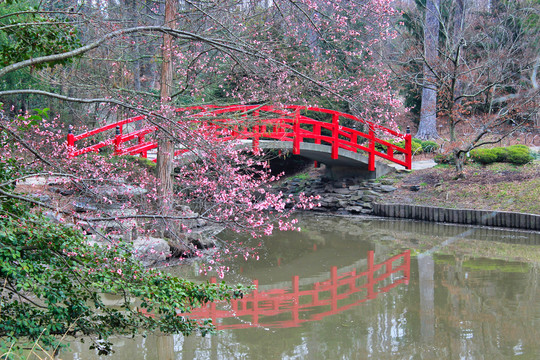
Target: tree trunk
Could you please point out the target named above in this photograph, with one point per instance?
(457, 44)
(427, 129)
(165, 144)
(459, 158)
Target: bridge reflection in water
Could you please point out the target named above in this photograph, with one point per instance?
(297, 304)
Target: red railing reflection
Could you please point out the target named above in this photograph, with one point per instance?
(337, 294)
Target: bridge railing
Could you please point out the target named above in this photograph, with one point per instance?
(264, 122)
(340, 292)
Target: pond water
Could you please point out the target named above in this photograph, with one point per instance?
(352, 288)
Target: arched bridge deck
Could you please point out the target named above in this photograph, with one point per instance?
(337, 139)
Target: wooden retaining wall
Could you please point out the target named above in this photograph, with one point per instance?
(459, 216)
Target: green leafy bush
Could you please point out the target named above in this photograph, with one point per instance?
(444, 159)
(519, 154)
(429, 146)
(483, 156)
(416, 146)
(501, 153)
(383, 148)
(515, 154)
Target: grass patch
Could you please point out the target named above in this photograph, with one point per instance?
(301, 176)
(499, 186)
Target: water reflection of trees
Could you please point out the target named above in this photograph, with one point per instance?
(481, 309)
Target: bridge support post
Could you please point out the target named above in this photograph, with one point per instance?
(296, 128)
(408, 151)
(335, 136)
(371, 156)
(144, 154)
(117, 141)
(70, 141)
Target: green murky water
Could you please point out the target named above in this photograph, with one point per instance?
(350, 288)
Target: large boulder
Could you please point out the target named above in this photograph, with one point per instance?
(151, 250)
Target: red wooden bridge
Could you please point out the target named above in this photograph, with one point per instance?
(299, 304)
(306, 130)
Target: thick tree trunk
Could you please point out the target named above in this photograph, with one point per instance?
(427, 129)
(165, 144)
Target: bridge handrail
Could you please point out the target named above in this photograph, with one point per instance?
(286, 127)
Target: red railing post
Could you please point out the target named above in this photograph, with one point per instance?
(408, 151)
(144, 154)
(371, 156)
(70, 141)
(256, 131)
(117, 138)
(371, 269)
(296, 135)
(296, 300)
(255, 307)
(333, 291)
(335, 136)
(390, 151)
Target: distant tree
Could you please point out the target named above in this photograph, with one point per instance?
(427, 127)
(486, 72)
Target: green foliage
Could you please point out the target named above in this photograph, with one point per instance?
(519, 155)
(417, 146)
(29, 34)
(63, 279)
(446, 159)
(483, 156)
(53, 281)
(24, 34)
(515, 154)
(501, 153)
(429, 146)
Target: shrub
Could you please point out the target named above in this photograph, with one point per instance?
(416, 146)
(501, 153)
(429, 146)
(519, 146)
(444, 159)
(382, 148)
(483, 156)
(515, 154)
(519, 155)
